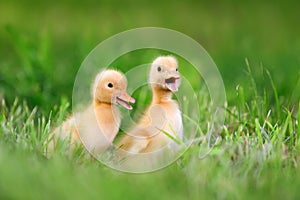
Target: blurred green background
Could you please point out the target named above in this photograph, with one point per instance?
(42, 43)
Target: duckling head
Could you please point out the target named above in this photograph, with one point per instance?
(164, 73)
(110, 87)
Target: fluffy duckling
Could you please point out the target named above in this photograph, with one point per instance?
(98, 125)
(163, 115)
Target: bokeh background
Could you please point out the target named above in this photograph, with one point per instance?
(43, 43)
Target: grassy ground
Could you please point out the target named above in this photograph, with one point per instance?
(42, 45)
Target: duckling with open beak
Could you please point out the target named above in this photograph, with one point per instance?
(97, 126)
(162, 116)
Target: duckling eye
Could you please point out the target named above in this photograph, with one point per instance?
(159, 68)
(176, 69)
(110, 85)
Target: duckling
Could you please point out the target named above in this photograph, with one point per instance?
(98, 125)
(162, 119)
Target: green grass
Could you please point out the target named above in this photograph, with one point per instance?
(257, 157)
(254, 44)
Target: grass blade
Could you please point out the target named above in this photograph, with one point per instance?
(178, 141)
(275, 94)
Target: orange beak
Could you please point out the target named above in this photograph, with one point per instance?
(124, 99)
(173, 83)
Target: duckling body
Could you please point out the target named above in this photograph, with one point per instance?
(163, 116)
(97, 126)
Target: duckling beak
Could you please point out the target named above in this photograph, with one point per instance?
(173, 83)
(124, 99)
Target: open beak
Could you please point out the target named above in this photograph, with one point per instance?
(173, 83)
(124, 99)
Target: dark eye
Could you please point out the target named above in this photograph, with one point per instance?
(110, 85)
(176, 69)
(159, 69)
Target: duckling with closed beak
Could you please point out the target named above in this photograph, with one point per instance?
(98, 125)
(163, 118)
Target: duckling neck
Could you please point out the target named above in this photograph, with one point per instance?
(102, 105)
(106, 111)
(161, 95)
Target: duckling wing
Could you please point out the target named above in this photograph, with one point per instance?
(134, 143)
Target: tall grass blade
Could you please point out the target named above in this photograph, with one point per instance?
(278, 111)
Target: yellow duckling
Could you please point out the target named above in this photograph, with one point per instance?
(163, 117)
(98, 125)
